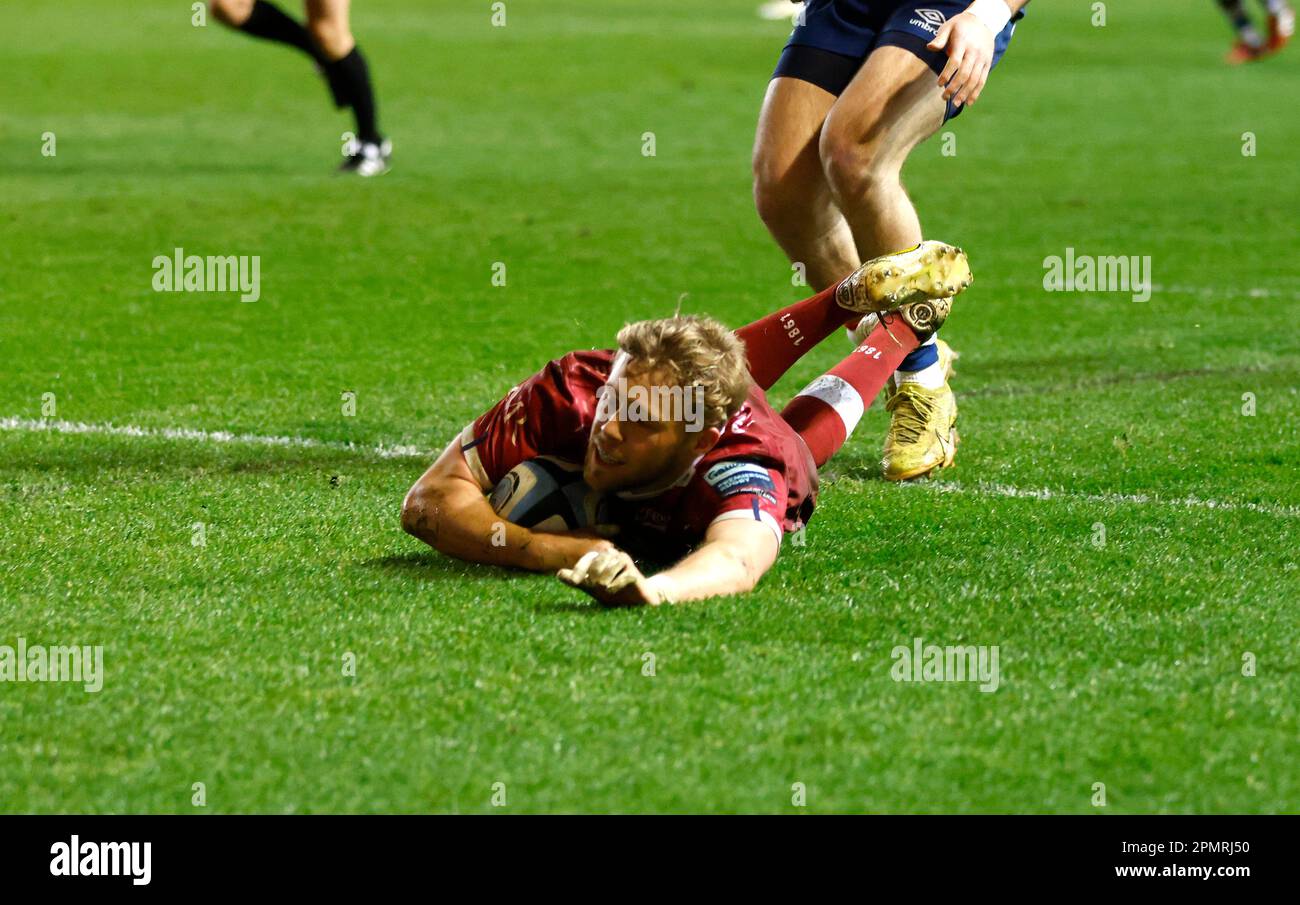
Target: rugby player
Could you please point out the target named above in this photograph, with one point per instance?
(327, 39)
(859, 84)
(1250, 44)
(721, 495)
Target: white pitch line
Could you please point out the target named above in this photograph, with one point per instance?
(32, 425)
(1233, 292)
(385, 451)
(1111, 499)
(1255, 292)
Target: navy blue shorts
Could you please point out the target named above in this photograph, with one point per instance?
(838, 35)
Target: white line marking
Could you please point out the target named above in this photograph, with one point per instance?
(385, 451)
(1110, 499)
(31, 425)
(1254, 292)
(1233, 292)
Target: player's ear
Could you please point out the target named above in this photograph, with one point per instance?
(706, 440)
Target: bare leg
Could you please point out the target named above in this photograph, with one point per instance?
(231, 12)
(327, 20)
(790, 187)
(349, 76)
(891, 106)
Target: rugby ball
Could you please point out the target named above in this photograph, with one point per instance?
(547, 494)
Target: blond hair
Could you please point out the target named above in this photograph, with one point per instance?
(693, 351)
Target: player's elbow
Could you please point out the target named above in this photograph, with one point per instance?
(746, 571)
(748, 580)
(741, 581)
(419, 513)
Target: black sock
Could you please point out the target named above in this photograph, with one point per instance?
(353, 74)
(269, 22)
(1236, 11)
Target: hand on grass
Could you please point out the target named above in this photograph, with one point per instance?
(612, 578)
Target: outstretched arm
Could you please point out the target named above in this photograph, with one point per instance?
(735, 554)
(447, 510)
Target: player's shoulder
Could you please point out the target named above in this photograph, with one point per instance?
(752, 445)
(570, 377)
(587, 369)
(562, 395)
(757, 449)
(756, 431)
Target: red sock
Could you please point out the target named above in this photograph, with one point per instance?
(828, 409)
(777, 341)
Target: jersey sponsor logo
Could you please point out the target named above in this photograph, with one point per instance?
(731, 478)
(929, 20)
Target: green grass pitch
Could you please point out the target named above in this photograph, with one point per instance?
(1116, 525)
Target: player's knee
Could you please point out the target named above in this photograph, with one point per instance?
(772, 203)
(777, 201)
(231, 12)
(332, 36)
(854, 166)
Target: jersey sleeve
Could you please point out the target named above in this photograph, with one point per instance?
(745, 489)
(538, 417)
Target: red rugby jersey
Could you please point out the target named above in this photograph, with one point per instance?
(759, 469)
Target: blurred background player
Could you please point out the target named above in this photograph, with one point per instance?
(1250, 44)
(859, 85)
(779, 9)
(719, 490)
(327, 39)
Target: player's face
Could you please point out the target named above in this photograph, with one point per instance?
(637, 440)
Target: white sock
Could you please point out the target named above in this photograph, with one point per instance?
(929, 377)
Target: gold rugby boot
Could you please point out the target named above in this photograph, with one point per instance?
(922, 427)
(918, 284)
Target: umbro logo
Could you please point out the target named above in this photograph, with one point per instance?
(929, 20)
